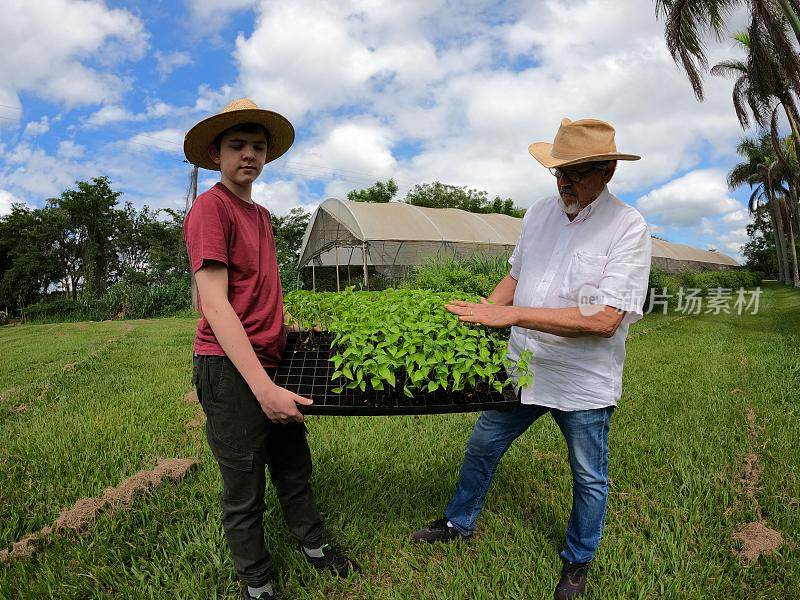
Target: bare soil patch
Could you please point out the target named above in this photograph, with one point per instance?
(190, 397)
(83, 514)
(756, 539)
(198, 421)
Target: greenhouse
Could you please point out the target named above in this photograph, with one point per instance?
(388, 238)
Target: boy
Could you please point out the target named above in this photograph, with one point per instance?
(251, 422)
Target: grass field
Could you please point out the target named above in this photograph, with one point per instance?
(85, 405)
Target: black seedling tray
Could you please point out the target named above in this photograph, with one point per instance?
(306, 370)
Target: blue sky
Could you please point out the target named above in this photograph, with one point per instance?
(418, 91)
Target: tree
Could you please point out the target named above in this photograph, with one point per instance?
(441, 195)
(689, 21)
(288, 231)
(759, 250)
(379, 192)
(759, 171)
(91, 209)
(28, 264)
(150, 249)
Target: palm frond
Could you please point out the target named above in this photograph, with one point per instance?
(739, 175)
(771, 18)
(743, 37)
(729, 68)
(752, 203)
(686, 22)
(777, 147)
(741, 93)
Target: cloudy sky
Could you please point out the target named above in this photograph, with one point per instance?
(415, 90)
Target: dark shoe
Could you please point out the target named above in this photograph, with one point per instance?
(333, 561)
(573, 580)
(265, 596)
(438, 531)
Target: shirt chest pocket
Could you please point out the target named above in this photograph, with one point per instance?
(583, 269)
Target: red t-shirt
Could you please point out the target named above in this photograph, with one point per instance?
(221, 226)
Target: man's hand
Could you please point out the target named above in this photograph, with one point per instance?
(484, 313)
(280, 405)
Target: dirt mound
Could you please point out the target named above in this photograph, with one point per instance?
(84, 512)
(756, 539)
(190, 397)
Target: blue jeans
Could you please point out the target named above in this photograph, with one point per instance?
(586, 433)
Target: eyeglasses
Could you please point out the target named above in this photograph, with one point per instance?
(576, 174)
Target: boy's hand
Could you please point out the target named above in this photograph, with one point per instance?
(280, 405)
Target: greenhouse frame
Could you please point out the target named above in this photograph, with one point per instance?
(391, 237)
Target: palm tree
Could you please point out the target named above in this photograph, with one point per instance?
(761, 170)
(755, 90)
(772, 71)
(689, 21)
(758, 91)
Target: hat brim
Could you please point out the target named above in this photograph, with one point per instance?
(202, 135)
(543, 152)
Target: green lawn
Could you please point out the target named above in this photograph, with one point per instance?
(678, 448)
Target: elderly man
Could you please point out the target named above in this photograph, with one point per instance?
(578, 278)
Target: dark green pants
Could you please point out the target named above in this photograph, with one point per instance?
(244, 442)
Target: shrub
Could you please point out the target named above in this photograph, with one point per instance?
(721, 279)
(123, 300)
(478, 274)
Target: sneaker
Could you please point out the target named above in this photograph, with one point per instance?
(246, 595)
(438, 531)
(333, 561)
(573, 580)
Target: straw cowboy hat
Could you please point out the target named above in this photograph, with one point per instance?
(577, 142)
(244, 110)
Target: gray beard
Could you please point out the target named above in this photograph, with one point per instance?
(573, 208)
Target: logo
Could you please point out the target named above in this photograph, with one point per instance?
(590, 300)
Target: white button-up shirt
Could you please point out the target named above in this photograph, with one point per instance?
(606, 246)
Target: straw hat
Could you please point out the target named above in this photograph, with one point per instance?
(587, 140)
(244, 110)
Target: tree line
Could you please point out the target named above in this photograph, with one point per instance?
(85, 243)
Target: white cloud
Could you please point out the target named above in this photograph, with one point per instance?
(74, 33)
(167, 62)
(359, 148)
(162, 140)
(686, 200)
(114, 113)
(69, 149)
(35, 128)
(110, 113)
(6, 200)
(280, 196)
(739, 217)
(731, 242)
(437, 74)
(214, 14)
(35, 173)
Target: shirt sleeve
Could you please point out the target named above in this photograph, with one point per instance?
(516, 257)
(207, 230)
(625, 278)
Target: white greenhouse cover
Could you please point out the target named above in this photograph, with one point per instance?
(396, 233)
